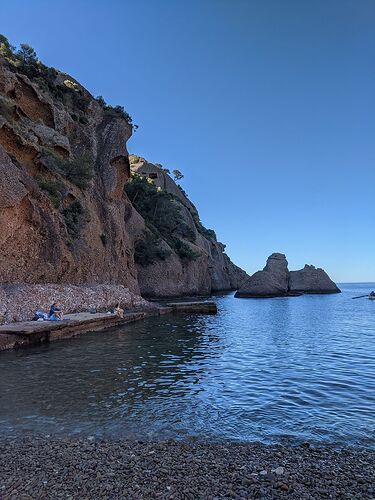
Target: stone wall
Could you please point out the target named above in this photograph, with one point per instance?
(19, 302)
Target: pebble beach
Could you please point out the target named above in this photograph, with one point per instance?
(53, 468)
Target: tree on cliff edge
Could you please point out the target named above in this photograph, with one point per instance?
(27, 54)
(177, 175)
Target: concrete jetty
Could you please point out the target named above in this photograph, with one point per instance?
(22, 334)
(193, 307)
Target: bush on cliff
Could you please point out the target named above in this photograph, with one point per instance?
(149, 249)
(162, 214)
(184, 251)
(79, 170)
(53, 188)
(116, 111)
(6, 108)
(74, 216)
(71, 94)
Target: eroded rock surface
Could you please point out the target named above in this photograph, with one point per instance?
(59, 225)
(52, 230)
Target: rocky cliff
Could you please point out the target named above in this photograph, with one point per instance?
(65, 216)
(192, 261)
(275, 280)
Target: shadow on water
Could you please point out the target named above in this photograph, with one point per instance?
(299, 367)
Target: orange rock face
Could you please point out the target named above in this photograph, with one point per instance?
(64, 215)
(38, 239)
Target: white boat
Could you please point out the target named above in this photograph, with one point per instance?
(371, 297)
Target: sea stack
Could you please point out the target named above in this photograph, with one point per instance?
(272, 281)
(275, 280)
(311, 280)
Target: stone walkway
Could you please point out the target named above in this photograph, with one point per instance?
(20, 334)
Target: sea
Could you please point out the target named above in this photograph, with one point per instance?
(282, 370)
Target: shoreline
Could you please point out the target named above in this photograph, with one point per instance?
(65, 467)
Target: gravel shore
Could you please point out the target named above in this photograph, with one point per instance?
(44, 468)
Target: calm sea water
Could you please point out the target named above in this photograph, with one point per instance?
(299, 368)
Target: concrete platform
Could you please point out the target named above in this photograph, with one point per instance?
(193, 307)
(21, 334)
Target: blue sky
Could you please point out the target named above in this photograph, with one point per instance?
(266, 106)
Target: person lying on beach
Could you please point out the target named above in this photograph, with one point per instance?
(55, 313)
(118, 311)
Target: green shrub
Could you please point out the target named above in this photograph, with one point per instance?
(54, 189)
(25, 60)
(116, 111)
(6, 49)
(207, 233)
(79, 170)
(74, 216)
(149, 249)
(185, 232)
(27, 54)
(184, 251)
(177, 175)
(182, 190)
(162, 214)
(6, 108)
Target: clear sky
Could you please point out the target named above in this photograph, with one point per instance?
(266, 106)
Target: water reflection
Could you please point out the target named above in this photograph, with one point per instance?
(110, 375)
(261, 369)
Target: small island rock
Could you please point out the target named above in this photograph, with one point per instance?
(272, 281)
(275, 280)
(311, 280)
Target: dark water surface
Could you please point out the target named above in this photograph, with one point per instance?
(300, 368)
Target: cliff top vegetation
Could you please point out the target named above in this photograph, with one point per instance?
(24, 59)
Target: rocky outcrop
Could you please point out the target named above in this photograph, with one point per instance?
(211, 270)
(272, 281)
(64, 215)
(275, 280)
(311, 280)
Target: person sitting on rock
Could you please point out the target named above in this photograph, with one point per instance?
(119, 311)
(55, 313)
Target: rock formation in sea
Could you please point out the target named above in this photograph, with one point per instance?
(65, 214)
(272, 281)
(275, 280)
(311, 280)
